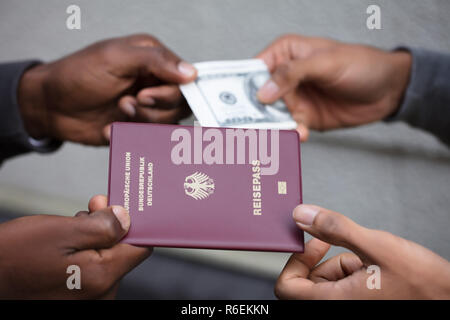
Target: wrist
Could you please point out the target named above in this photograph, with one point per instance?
(32, 105)
(401, 62)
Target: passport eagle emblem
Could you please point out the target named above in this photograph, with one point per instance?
(198, 185)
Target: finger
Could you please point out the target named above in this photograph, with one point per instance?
(167, 97)
(300, 264)
(287, 76)
(160, 115)
(270, 56)
(127, 104)
(101, 229)
(106, 132)
(292, 282)
(303, 131)
(277, 52)
(104, 268)
(160, 62)
(337, 229)
(301, 110)
(98, 202)
(336, 268)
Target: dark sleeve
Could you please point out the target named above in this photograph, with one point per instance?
(14, 140)
(426, 104)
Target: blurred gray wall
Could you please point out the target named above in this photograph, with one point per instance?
(383, 176)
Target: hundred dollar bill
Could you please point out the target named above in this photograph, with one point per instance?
(224, 95)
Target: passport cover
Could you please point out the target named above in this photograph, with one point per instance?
(196, 204)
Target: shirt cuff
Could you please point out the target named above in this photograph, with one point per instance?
(14, 139)
(412, 92)
(426, 102)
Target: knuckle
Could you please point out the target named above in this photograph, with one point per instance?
(283, 69)
(346, 256)
(141, 36)
(144, 39)
(324, 65)
(105, 260)
(283, 73)
(106, 229)
(127, 100)
(279, 288)
(155, 56)
(109, 51)
(288, 37)
(330, 225)
(109, 235)
(160, 54)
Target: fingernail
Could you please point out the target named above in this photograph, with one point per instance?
(149, 101)
(123, 217)
(268, 90)
(107, 132)
(187, 69)
(129, 109)
(304, 214)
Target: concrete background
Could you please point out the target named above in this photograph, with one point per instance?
(383, 176)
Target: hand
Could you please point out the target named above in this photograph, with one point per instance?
(130, 78)
(328, 84)
(408, 270)
(35, 252)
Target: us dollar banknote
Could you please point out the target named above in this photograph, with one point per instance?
(224, 95)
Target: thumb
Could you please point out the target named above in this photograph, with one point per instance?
(336, 229)
(290, 75)
(161, 63)
(100, 229)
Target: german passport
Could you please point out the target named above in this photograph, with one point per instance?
(200, 187)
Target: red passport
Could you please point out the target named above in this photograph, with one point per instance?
(214, 188)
